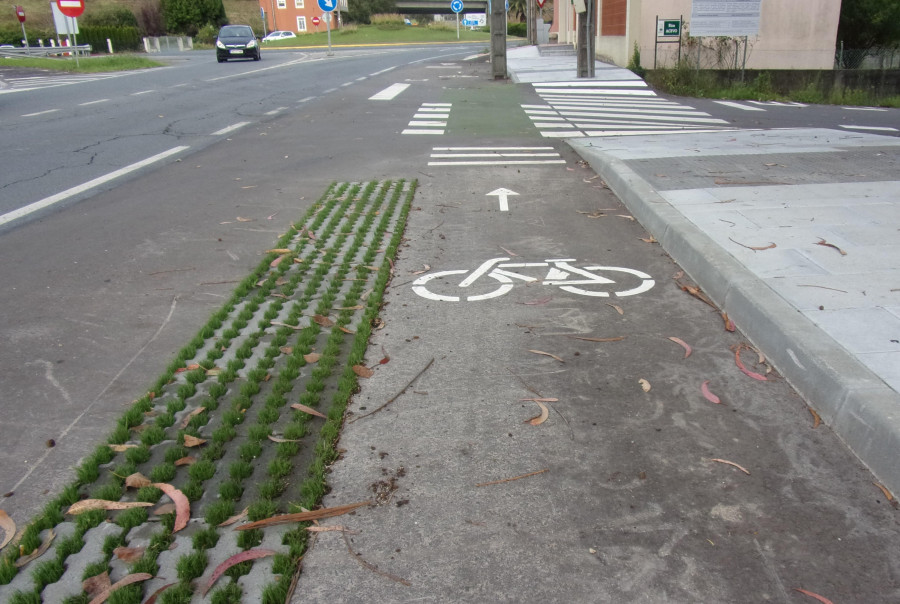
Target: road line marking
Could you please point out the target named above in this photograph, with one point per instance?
(636, 83)
(493, 149)
(142, 92)
(389, 93)
(230, 128)
(40, 113)
(421, 123)
(603, 91)
(345, 84)
(378, 73)
(864, 108)
(329, 90)
(414, 131)
(654, 132)
(520, 155)
(874, 128)
(100, 180)
(738, 106)
(497, 163)
(275, 111)
(361, 78)
(426, 116)
(92, 102)
(309, 98)
(447, 105)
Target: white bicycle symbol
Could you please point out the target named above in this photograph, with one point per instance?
(561, 273)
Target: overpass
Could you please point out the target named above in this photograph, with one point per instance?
(438, 7)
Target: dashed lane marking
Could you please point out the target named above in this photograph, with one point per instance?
(437, 115)
(229, 129)
(741, 106)
(389, 93)
(873, 128)
(494, 156)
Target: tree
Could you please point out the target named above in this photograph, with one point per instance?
(867, 24)
(188, 16)
(361, 11)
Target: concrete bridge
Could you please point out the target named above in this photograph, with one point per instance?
(438, 7)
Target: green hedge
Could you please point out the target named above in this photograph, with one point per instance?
(123, 38)
(517, 29)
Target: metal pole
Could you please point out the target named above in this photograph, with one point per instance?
(655, 42)
(457, 26)
(328, 28)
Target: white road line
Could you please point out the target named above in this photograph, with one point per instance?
(738, 106)
(561, 134)
(378, 73)
(553, 125)
(40, 113)
(345, 84)
(489, 154)
(389, 93)
(493, 149)
(686, 111)
(309, 98)
(92, 102)
(636, 83)
(415, 131)
(142, 92)
(654, 132)
(230, 128)
(497, 163)
(276, 111)
(100, 180)
(603, 91)
(329, 90)
(426, 116)
(582, 115)
(447, 105)
(777, 104)
(361, 78)
(873, 128)
(864, 108)
(423, 123)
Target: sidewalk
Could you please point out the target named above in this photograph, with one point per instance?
(828, 318)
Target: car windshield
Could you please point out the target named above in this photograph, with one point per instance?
(235, 31)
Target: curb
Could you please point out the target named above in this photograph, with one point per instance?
(861, 409)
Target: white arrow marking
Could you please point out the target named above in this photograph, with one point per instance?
(503, 194)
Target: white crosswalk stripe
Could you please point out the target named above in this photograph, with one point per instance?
(430, 118)
(22, 84)
(494, 156)
(612, 108)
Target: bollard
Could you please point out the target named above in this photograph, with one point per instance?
(109, 45)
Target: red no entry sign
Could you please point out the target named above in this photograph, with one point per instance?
(315, 20)
(20, 13)
(70, 8)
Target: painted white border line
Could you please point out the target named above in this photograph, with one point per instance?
(874, 128)
(389, 93)
(53, 199)
(499, 162)
(739, 106)
(229, 129)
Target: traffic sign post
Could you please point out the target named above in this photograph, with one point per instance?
(20, 15)
(72, 9)
(316, 21)
(456, 6)
(328, 6)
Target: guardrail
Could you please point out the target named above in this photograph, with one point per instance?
(45, 51)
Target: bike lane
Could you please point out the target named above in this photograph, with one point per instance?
(526, 438)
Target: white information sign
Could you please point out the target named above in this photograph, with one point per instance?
(724, 18)
(64, 25)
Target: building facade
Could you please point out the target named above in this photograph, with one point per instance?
(297, 15)
(791, 35)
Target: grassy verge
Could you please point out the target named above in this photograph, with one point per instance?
(687, 81)
(293, 332)
(352, 35)
(85, 64)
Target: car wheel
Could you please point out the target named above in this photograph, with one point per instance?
(220, 59)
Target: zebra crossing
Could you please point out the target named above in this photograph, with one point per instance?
(612, 108)
(24, 83)
(494, 156)
(431, 118)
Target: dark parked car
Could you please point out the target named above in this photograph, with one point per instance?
(237, 42)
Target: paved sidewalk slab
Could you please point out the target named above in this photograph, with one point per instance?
(793, 233)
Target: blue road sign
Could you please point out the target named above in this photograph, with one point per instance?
(327, 5)
(456, 6)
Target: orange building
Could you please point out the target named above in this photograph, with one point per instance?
(297, 15)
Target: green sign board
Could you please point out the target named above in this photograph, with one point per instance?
(671, 28)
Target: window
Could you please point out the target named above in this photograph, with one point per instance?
(301, 21)
(282, 3)
(298, 3)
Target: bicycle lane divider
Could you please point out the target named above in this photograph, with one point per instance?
(87, 186)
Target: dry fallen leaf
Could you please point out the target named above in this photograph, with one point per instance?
(286, 349)
(323, 320)
(242, 219)
(312, 357)
(704, 388)
(303, 516)
(185, 461)
(97, 584)
(683, 344)
(9, 528)
(187, 418)
(821, 599)
(541, 417)
(166, 508)
(278, 439)
(193, 441)
(235, 518)
(152, 598)
(136, 481)
(731, 463)
(552, 356)
(887, 494)
(645, 385)
(279, 250)
(618, 308)
(541, 400)
(363, 371)
(729, 324)
(824, 243)
(129, 554)
(625, 216)
(250, 554)
(586, 339)
(122, 448)
(345, 330)
(182, 505)
(756, 248)
(305, 409)
(45, 545)
(86, 505)
(816, 419)
(740, 365)
(127, 580)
